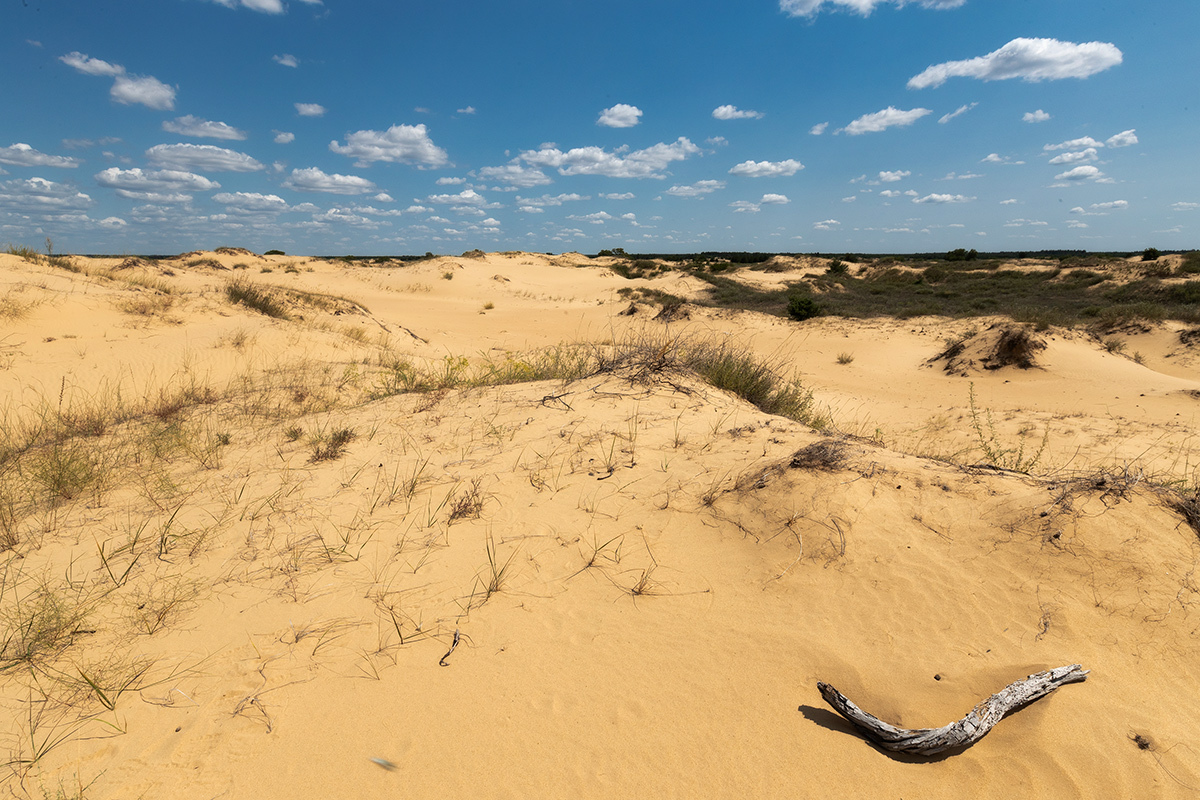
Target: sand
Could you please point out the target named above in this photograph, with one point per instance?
(646, 590)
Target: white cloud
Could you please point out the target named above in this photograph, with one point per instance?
(403, 143)
(1035, 116)
(1075, 223)
(1071, 144)
(767, 169)
(890, 193)
(310, 109)
(733, 112)
(597, 218)
(1012, 201)
(148, 91)
(284, 137)
(252, 202)
(620, 116)
(1185, 206)
(941, 199)
(996, 158)
(286, 59)
(450, 181)
(818, 129)
(1030, 59)
(155, 185)
(1077, 157)
(1111, 205)
(91, 66)
(954, 176)
(114, 223)
(39, 196)
(467, 110)
(619, 196)
(22, 155)
(201, 157)
(697, 189)
(126, 89)
(265, 6)
(892, 177)
(548, 200)
(515, 174)
(467, 197)
(852, 198)
(881, 120)
(1122, 139)
(808, 8)
(826, 224)
(957, 113)
(774, 199)
(195, 126)
(313, 179)
(745, 207)
(647, 163)
(1079, 174)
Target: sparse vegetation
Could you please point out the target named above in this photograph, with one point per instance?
(252, 295)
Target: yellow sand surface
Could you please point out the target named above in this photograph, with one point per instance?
(206, 592)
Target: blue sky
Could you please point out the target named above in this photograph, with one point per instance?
(375, 126)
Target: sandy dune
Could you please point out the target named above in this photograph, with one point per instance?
(205, 593)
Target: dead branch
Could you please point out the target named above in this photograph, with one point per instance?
(968, 730)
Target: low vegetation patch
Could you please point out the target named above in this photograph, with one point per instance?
(246, 293)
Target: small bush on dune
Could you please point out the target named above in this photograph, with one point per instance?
(801, 307)
(243, 292)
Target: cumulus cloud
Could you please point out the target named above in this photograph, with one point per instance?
(252, 202)
(284, 137)
(91, 66)
(809, 8)
(733, 112)
(696, 189)
(767, 169)
(286, 59)
(549, 200)
(166, 185)
(890, 193)
(596, 218)
(22, 155)
(940, 199)
(313, 179)
(620, 116)
(892, 177)
(745, 207)
(515, 174)
(1080, 156)
(1183, 206)
(467, 197)
(1035, 116)
(126, 89)
(310, 109)
(1079, 174)
(1012, 201)
(622, 163)
(1111, 205)
(400, 143)
(774, 199)
(1122, 139)
(195, 126)
(201, 157)
(996, 158)
(1072, 144)
(957, 113)
(618, 196)
(467, 110)
(264, 6)
(826, 224)
(1029, 59)
(882, 120)
(39, 196)
(818, 129)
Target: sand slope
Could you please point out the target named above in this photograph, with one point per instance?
(646, 579)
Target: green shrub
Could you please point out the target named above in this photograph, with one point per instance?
(1150, 254)
(243, 292)
(802, 307)
(274, 253)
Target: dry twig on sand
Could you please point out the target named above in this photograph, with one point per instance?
(968, 730)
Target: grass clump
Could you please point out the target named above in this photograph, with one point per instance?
(38, 627)
(997, 455)
(331, 445)
(242, 292)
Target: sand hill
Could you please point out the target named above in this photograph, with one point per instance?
(276, 527)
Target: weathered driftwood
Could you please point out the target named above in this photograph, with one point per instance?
(969, 729)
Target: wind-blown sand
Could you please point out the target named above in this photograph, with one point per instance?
(646, 583)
